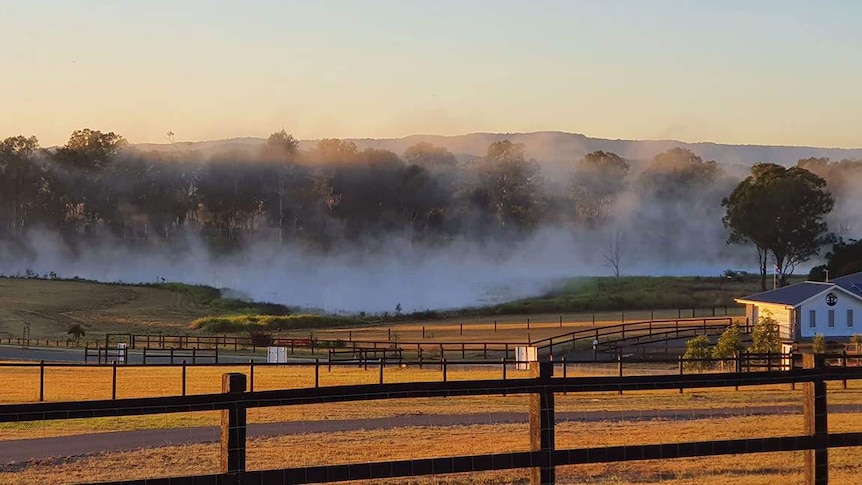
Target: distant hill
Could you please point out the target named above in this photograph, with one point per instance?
(550, 147)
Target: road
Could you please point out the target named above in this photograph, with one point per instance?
(18, 451)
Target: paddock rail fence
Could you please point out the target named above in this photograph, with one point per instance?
(542, 459)
(620, 366)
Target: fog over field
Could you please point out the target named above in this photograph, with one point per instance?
(419, 278)
(335, 227)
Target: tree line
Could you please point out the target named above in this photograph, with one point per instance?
(97, 186)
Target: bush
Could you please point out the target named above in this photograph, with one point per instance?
(260, 339)
(698, 348)
(765, 338)
(818, 344)
(241, 323)
(729, 345)
(856, 340)
(76, 331)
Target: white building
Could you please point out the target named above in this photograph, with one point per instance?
(803, 310)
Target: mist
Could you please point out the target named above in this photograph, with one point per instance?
(461, 274)
(339, 229)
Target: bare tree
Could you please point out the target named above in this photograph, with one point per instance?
(613, 252)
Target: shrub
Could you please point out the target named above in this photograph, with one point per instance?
(729, 345)
(765, 338)
(818, 344)
(856, 340)
(76, 331)
(241, 323)
(260, 339)
(698, 348)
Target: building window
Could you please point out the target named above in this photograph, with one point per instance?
(812, 318)
(831, 318)
(849, 317)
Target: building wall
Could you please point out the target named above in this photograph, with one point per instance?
(782, 315)
(821, 310)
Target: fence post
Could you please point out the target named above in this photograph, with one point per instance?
(564, 371)
(114, 379)
(443, 366)
(738, 366)
(233, 419)
(316, 372)
(250, 375)
(681, 370)
(542, 425)
(844, 365)
(42, 380)
(184, 377)
(381, 368)
(815, 418)
(620, 367)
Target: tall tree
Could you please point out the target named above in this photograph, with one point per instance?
(844, 258)
(510, 183)
(21, 181)
(90, 150)
(280, 150)
(430, 157)
(781, 211)
(599, 179)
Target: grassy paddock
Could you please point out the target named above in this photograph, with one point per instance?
(73, 383)
(70, 383)
(420, 442)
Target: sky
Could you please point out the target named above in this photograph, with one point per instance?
(745, 72)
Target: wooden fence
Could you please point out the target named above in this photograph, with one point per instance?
(745, 362)
(542, 458)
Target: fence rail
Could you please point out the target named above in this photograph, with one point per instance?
(744, 362)
(609, 334)
(542, 457)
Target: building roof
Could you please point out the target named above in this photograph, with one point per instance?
(789, 295)
(795, 295)
(851, 282)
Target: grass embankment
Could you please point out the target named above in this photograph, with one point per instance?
(632, 293)
(636, 295)
(214, 299)
(52, 306)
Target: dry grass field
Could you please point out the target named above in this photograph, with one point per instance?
(70, 383)
(421, 442)
(51, 306)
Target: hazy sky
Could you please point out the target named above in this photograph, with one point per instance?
(782, 72)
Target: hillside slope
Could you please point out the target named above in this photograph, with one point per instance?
(50, 307)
